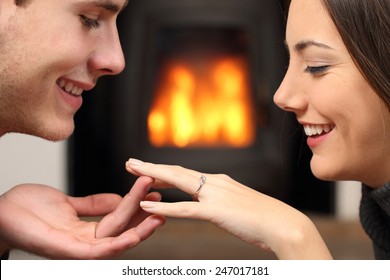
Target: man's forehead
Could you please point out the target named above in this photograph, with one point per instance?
(110, 5)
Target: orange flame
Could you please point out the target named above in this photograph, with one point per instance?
(197, 109)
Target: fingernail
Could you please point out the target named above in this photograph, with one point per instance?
(134, 162)
(148, 204)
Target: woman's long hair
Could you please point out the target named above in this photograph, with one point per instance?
(364, 26)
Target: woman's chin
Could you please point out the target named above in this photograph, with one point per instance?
(322, 172)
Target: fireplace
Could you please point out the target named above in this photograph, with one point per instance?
(202, 96)
(197, 91)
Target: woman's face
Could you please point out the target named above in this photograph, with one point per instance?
(347, 124)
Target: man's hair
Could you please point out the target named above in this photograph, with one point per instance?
(21, 2)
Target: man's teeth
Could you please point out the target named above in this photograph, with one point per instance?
(70, 88)
(312, 130)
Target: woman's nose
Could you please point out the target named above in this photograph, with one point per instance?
(290, 95)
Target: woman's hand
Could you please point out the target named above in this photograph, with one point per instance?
(45, 221)
(250, 215)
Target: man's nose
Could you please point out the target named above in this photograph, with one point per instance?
(108, 58)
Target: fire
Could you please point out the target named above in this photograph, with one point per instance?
(196, 108)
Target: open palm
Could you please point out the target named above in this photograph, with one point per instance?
(45, 221)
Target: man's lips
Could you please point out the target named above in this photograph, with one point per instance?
(70, 87)
(73, 87)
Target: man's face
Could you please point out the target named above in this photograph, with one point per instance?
(51, 51)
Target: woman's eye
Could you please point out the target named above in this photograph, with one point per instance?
(89, 22)
(316, 70)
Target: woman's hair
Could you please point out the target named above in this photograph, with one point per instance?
(364, 26)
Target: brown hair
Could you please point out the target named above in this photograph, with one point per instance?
(21, 2)
(364, 27)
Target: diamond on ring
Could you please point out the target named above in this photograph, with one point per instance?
(202, 181)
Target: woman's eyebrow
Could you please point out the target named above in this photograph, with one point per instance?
(302, 45)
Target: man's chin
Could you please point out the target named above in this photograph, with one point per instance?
(55, 135)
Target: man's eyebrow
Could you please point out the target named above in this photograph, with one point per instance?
(109, 5)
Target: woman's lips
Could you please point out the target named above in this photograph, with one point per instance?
(316, 133)
(313, 130)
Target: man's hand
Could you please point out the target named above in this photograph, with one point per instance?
(45, 221)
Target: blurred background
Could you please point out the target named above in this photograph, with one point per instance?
(197, 91)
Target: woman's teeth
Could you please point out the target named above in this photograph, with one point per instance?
(316, 130)
(70, 88)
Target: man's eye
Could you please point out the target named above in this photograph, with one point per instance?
(89, 22)
(316, 70)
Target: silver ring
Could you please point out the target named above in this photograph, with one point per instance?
(202, 181)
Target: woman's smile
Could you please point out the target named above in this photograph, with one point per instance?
(315, 130)
(316, 133)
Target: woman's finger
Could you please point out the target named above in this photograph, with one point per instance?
(184, 209)
(185, 179)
